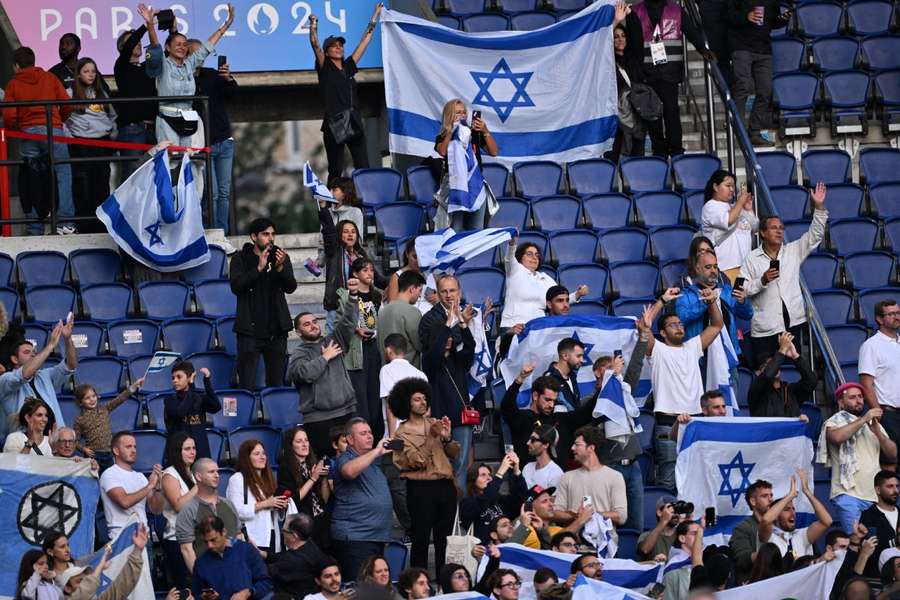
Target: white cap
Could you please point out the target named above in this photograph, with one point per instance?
(63, 578)
(886, 555)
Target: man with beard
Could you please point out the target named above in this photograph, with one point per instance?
(745, 540)
(659, 540)
(881, 517)
(69, 48)
(779, 524)
(535, 529)
(854, 441)
(570, 357)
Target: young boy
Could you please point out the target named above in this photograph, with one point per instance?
(396, 367)
(186, 410)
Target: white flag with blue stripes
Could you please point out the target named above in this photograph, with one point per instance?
(467, 191)
(161, 361)
(311, 181)
(445, 250)
(158, 224)
(122, 547)
(721, 359)
(547, 94)
(811, 583)
(719, 457)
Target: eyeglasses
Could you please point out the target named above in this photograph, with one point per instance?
(512, 584)
(674, 325)
(591, 565)
(461, 576)
(532, 253)
(893, 313)
(66, 441)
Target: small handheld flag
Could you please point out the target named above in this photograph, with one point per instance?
(161, 361)
(315, 185)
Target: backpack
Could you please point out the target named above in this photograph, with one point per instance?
(646, 102)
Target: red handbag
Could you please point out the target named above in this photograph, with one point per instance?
(470, 416)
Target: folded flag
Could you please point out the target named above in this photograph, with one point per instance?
(601, 534)
(591, 589)
(315, 185)
(445, 250)
(161, 361)
(616, 403)
(156, 223)
(467, 191)
(721, 359)
(810, 583)
(483, 364)
(122, 547)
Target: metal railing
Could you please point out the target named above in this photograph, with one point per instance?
(49, 105)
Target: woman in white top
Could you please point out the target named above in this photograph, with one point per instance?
(35, 422)
(252, 491)
(178, 488)
(729, 226)
(526, 286)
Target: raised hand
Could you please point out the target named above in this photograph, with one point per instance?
(618, 364)
(353, 285)
(230, 18)
(527, 369)
(622, 11)
(818, 196)
(140, 537)
(581, 291)
(147, 13)
(671, 294)
(467, 313)
(205, 372)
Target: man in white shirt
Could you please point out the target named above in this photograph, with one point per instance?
(772, 274)
(542, 471)
(675, 374)
(127, 492)
(329, 582)
(881, 519)
(779, 524)
(879, 367)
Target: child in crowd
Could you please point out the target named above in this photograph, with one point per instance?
(186, 411)
(346, 209)
(339, 445)
(35, 580)
(92, 425)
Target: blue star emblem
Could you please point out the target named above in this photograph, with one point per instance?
(483, 366)
(153, 230)
(588, 348)
(501, 71)
(737, 463)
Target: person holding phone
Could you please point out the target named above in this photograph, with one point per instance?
(772, 274)
(305, 475)
(730, 225)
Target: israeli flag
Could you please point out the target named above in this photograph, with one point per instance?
(161, 361)
(121, 549)
(38, 495)
(547, 94)
(721, 360)
(616, 403)
(483, 364)
(601, 336)
(319, 190)
(591, 589)
(719, 457)
(461, 596)
(811, 583)
(159, 225)
(467, 191)
(446, 250)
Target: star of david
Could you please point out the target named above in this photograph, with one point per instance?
(503, 108)
(727, 489)
(482, 366)
(588, 348)
(45, 508)
(153, 230)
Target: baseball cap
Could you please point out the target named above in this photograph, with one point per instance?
(886, 555)
(536, 491)
(663, 500)
(331, 40)
(62, 580)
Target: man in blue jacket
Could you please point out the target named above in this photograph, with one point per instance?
(230, 568)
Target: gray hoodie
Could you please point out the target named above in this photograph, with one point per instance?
(93, 121)
(324, 386)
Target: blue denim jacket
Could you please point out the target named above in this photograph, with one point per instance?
(691, 310)
(173, 79)
(14, 389)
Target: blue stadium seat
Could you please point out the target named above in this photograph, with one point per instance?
(887, 100)
(744, 379)
(513, 213)
(692, 171)
(512, 6)
(549, 271)
(156, 410)
(103, 372)
(478, 284)
(126, 416)
(591, 176)
(651, 495)
(636, 279)
(569, 247)
(648, 421)
(245, 409)
(791, 201)
(645, 462)
(827, 166)
(814, 414)
(594, 275)
(658, 209)
(217, 448)
(631, 307)
(878, 165)
(95, 265)
(485, 259)
(88, 338)
(818, 18)
(670, 243)
(693, 202)
(868, 299)
(794, 98)
(215, 299)
(555, 213)
(269, 436)
(214, 268)
(422, 185)
(7, 266)
(569, 4)
(485, 22)
(163, 300)
(607, 211)
(672, 273)
(836, 53)
(281, 406)
(529, 21)
(497, 176)
(36, 334)
(626, 243)
(846, 97)
(881, 52)
(834, 306)
(49, 303)
(846, 340)
(787, 54)
(845, 200)
(538, 238)
(106, 302)
(41, 267)
(870, 269)
(627, 543)
(853, 235)
(884, 201)
(220, 365)
(465, 7)
(151, 449)
(644, 174)
(377, 186)
(537, 178)
(793, 230)
(448, 21)
(398, 222)
(868, 17)
(188, 335)
(891, 233)
(587, 307)
(133, 337)
(820, 271)
(850, 371)
(779, 167)
(69, 408)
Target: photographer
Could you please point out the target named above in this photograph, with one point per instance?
(261, 274)
(658, 541)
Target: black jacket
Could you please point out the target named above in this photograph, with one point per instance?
(448, 375)
(673, 71)
(293, 572)
(335, 258)
(887, 536)
(569, 395)
(132, 81)
(189, 414)
(744, 35)
(262, 309)
(766, 401)
(218, 89)
(480, 510)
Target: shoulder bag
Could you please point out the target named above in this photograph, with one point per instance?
(460, 545)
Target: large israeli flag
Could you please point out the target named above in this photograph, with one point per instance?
(546, 94)
(811, 583)
(118, 557)
(719, 457)
(601, 336)
(38, 495)
(158, 224)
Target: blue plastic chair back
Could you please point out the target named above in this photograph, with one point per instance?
(243, 414)
(478, 284)
(573, 246)
(133, 337)
(827, 166)
(49, 303)
(529, 21)
(779, 168)
(818, 18)
(213, 269)
(669, 242)
(658, 209)
(377, 186)
(483, 22)
(638, 279)
(269, 436)
(591, 176)
(95, 265)
(188, 335)
(7, 266)
(834, 306)
(103, 372)
(422, 185)
(846, 340)
(465, 7)
(607, 211)
(627, 243)
(496, 176)
(879, 165)
(835, 53)
(163, 300)
(854, 235)
(215, 298)
(868, 17)
(513, 213)
(845, 201)
(281, 406)
(537, 178)
(399, 220)
(556, 213)
(796, 91)
(868, 299)
(220, 365)
(787, 54)
(595, 276)
(820, 271)
(41, 267)
(644, 174)
(151, 449)
(881, 52)
(692, 171)
(106, 302)
(791, 201)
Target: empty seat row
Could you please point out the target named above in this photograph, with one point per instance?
(492, 21)
(828, 17)
(877, 165)
(859, 270)
(840, 307)
(834, 53)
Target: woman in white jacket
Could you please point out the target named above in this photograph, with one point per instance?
(252, 491)
(35, 581)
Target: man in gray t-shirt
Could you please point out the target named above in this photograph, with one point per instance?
(206, 503)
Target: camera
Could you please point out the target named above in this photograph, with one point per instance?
(682, 508)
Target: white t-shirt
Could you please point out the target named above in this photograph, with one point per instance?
(15, 442)
(798, 539)
(731, 250)
(879, 356)
(318, 596)
(675, 373)
(891, 516)
(394, 371)
(169, 512)
(546, 477)
(130, 481)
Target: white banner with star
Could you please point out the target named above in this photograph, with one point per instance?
(548, 94)
(719, 457)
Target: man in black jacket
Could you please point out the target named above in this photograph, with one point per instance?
(769, 396)
(882, 518)
(261, 274)
(294, 570)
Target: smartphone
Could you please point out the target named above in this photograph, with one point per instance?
(774, 264)
(507, 448)
(872, 533)
(529, 505)
(586, 501)
(710, 515)
(394, 445)
(617, 353)
(739, 283)
(476, 114)
(223, 60)
(184, 594)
